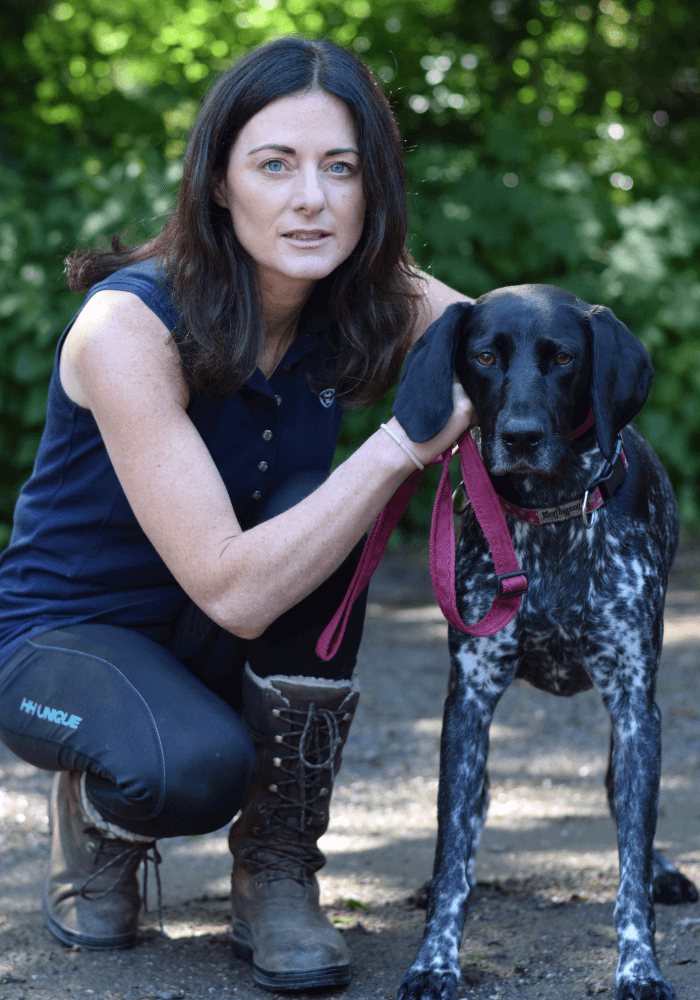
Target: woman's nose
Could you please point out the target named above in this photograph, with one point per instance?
(309, 195)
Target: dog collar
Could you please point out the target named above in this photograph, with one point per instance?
(598, 493)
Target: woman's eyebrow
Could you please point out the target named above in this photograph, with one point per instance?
(292, 152)
(270, 145)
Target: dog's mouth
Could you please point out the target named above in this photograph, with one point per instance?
(544, 463)
(521, 468)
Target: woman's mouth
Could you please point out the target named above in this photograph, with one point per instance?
(307, 235)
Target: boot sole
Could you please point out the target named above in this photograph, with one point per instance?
(87, 941)
(289, 980)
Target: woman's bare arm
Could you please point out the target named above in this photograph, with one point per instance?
(120, 361)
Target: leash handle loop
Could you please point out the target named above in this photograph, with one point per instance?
(511, 582)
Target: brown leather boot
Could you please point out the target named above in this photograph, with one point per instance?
(91, 897)
(298, 726)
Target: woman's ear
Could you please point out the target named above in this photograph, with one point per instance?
(219, 191)
(621, 374)
(423, 401)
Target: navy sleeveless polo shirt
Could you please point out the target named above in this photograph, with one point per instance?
(78, 554)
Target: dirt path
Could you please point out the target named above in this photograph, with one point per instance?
(541, 922)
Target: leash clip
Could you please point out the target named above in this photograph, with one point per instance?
(608, 482)
(466, 503)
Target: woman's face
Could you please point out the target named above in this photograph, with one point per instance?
(293, 186)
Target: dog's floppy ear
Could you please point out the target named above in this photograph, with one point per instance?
(423, 402)
(621, 374)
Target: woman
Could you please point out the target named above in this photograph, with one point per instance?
(180, 545)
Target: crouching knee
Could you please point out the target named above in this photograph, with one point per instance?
(198, 787)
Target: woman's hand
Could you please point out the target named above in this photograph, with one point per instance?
(463, 417)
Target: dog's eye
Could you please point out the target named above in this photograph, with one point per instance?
(563, 358)
(485, 358)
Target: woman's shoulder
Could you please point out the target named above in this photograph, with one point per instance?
(147, 279)
(119, 337)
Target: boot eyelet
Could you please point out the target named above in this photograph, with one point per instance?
(276, 712)
(272, 788)
(277, 762)
(279, 739)
(347, 717)
(324, 792)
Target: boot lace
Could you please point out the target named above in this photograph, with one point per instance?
(312, 742)
(122, 856)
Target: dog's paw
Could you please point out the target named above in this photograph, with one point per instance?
(428, 985)
(671, 888)
(644, 989)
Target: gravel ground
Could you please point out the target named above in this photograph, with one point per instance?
(541, 923)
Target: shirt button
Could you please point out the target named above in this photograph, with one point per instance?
(267, 435)
(262, 466)
(257, 495)
(278, 400)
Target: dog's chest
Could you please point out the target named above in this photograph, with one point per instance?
(566, 584)
(561, 589)
(564, 571)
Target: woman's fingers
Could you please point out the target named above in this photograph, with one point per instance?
(463, 411)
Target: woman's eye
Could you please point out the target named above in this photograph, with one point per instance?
(485, 358)
(274, 166)
(563, 358)
(340, 168)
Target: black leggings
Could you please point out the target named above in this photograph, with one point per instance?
(155, 725)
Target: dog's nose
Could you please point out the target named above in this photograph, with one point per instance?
(521, 435)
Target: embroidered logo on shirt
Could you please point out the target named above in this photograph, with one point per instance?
(50, 714)
(326, 397)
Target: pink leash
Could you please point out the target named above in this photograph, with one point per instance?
(511, 582)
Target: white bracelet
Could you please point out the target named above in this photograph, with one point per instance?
(411, 454)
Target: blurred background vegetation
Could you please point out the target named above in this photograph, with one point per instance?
(547, 140)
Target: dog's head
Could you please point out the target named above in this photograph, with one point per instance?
(533, 359)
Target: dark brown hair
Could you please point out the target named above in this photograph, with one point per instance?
(372, 298)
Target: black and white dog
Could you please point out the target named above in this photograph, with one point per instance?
(535, 360)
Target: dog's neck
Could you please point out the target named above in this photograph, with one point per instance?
(583, 464)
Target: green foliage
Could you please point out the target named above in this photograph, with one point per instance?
(548, 141)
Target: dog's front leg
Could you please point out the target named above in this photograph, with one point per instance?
(636, 763)
(463, 752)
(669, 886)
